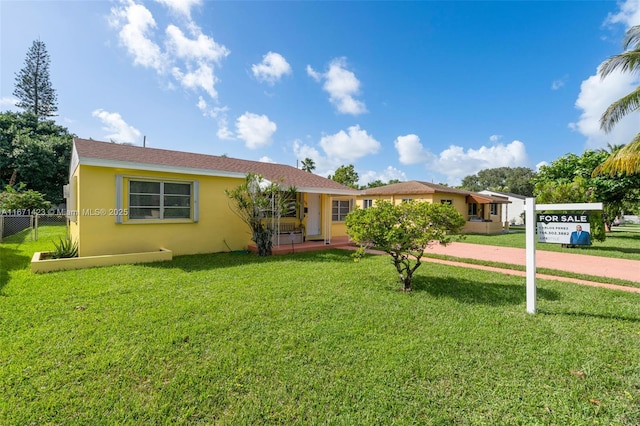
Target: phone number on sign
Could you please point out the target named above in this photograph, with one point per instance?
(99, 212)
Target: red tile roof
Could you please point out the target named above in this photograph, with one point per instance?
(113, 154)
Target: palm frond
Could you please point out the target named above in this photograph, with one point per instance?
(625, 62)
(624, 161)
(632, 38)
(619, 109)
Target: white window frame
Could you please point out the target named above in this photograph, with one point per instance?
(340, 215)
(367, 202)
(123, 215)
(494, 209)
(473, 209)
(447, 201)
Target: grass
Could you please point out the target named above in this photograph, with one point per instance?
(309, 338)
(623, 243)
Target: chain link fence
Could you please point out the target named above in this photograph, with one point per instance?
(13, 224)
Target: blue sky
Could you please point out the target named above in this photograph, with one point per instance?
(432, 91)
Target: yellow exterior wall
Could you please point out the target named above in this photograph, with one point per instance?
(217, 230)
(338, 228)
(459, 201)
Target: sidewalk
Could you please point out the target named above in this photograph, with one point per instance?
(577, 263)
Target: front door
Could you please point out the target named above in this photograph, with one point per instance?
(313, 214)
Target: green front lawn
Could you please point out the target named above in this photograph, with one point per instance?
(309, 338)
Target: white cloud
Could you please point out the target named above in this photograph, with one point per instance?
(313, 74)
(9, 103)
(272, 68)
(266, 159)
(411, 150)
(559, 83)
(114, 123)
(135, 24)
(495, 138)
(540, 164)
(182, 7)
(596, 94)
(255, 130)
(456, 163)
(324, 165)
(200, 48)
(385, 176)
(191, 60)
(220, 115)
(629, 14)
(350, 145)
(202, 77)
(342, 86)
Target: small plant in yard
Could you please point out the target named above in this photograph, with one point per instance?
(403, 231)
(64, 249)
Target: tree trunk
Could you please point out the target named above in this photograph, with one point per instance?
(262, 238)
(14, 177)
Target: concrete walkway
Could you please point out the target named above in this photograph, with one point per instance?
(577, 263)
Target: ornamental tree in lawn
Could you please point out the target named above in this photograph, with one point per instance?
(257, 201)
(403, 231)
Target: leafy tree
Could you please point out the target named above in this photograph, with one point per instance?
(34, 152)
(21, 199)
(403, 231)
(256, 201)
(569, 180)
(346, 175)
(627, 159)
(516, 180)
(33, 85)
(377, 183)
(308, 165)
(374, 184)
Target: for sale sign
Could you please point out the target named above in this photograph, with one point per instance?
(562, 228)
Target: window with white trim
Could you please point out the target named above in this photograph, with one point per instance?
(406, 200)
(340, 209)
(473, 209)
(494, 209)
(448, 202)
(366, 203)
(160, 200)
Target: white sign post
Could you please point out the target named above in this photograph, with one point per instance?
(530, 219)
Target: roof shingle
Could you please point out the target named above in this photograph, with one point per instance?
(137, 157)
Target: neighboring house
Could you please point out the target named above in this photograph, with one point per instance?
(511, 213)
(482, 212)
(127, 199)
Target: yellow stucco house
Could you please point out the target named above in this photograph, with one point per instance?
(481, 211)
(130, 199)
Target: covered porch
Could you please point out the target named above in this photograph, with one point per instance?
(290, 248)
(484, 216)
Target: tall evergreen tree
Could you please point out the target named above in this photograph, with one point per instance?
(33, 86)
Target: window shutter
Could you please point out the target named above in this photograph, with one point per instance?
(196, 201)
(119, 200)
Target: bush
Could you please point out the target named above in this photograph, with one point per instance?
(12, 199)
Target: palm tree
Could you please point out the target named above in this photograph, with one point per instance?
(308, 165)
(627, 159)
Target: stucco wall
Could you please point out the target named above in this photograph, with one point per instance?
(97, 232)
